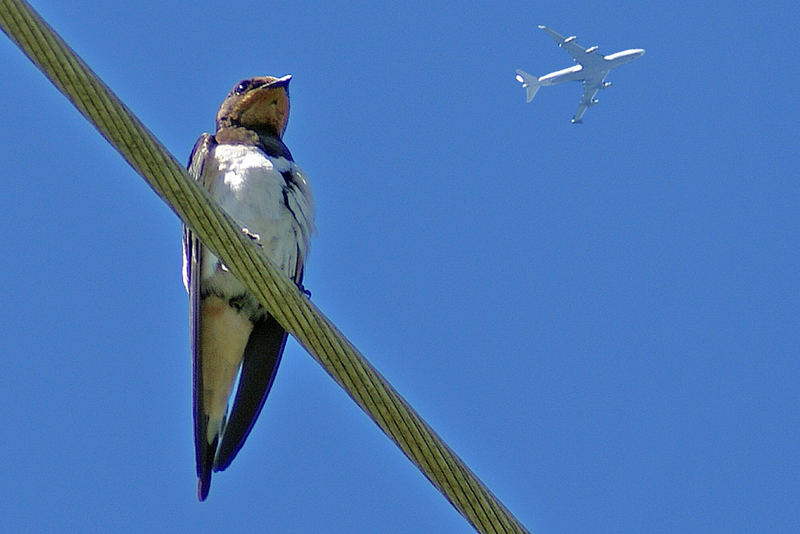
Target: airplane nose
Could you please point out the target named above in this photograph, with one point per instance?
(639, 52)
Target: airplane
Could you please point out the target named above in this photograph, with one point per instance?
(592, 69)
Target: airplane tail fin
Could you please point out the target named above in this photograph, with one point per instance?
(529, 82)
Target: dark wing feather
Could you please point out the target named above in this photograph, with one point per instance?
(259, 366)
(193, 249)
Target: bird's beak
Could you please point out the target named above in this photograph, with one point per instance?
(281, 82)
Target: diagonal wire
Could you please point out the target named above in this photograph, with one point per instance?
(273, 289)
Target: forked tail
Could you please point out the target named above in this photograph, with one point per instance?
(529, 83)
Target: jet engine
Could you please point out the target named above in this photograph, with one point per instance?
(593, 102)
(605, 85)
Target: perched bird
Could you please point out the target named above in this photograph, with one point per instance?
(250, 172)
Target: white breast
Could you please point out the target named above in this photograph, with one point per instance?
(249, 186)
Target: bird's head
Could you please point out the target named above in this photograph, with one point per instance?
(260, 104)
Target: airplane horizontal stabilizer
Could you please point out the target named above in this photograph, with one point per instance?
(529, 82)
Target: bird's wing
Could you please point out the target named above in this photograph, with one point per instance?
(193, 257)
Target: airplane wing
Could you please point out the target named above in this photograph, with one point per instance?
(590, 88)
(588, 57)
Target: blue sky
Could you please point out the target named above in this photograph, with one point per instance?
(602, 320)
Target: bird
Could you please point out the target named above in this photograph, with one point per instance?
(248, 169)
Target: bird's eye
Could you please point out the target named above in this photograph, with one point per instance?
(242, 87)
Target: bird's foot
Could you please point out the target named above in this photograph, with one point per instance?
(305, 291)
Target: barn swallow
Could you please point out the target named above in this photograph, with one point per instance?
(249, 170)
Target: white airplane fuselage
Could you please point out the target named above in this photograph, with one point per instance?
(578, 72)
